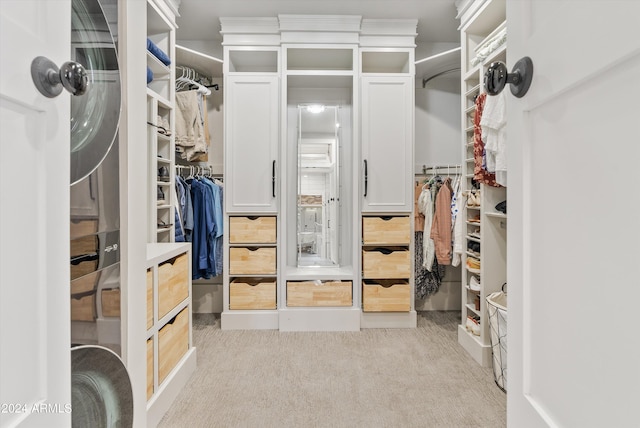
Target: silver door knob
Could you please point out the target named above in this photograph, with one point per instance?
(49, 79)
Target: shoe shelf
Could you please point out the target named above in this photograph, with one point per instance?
(483, 224)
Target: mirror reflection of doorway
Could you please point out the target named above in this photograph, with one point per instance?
(318, 185)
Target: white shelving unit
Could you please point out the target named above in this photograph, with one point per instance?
(160, 112)
(171, 356)
(481, 20)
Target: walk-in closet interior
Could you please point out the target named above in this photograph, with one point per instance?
(297, 174)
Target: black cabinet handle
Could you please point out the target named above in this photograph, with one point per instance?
(366, 178)
(273, 179)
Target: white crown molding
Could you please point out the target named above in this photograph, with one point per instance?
(236, 25)
(328, 23)
(389, 27)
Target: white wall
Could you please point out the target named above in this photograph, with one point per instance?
(438, 122)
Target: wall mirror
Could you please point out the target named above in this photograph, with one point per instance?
(318, 196)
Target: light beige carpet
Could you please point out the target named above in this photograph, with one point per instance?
(373, 378)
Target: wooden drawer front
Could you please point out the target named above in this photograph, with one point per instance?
(386, 296)
(247, 293)
(173, 283)
(83, 297)
(386, 263)
(173, 343)
(252, 230)
(83, 227)
(84, 308)
(311, 293)
(386, 230)
(252, 261)
(149, 298)
(110, 301)
(149, 368)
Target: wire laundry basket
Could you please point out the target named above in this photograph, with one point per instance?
(497, 308)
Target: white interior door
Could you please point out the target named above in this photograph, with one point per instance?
(574, 240)
(35, 386)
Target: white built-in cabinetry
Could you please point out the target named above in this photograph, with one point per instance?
(366, 69)
(483, 224)
(160, 124)
(387, 133)
(170, 356)
(253, 124)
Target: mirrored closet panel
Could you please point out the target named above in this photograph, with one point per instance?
(318, 218)
(318, 146)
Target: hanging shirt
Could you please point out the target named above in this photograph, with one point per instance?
(202, 229)
(441, 225)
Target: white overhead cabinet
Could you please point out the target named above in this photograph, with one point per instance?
(252, 130)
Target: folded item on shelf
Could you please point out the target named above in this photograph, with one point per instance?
(157, 52)
(149, 75)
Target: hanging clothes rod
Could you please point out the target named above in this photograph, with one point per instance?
(434, 168)
(189, 77)
(199, 170)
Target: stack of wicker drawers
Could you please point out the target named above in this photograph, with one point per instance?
(386, 264)
(168, 324)
(252, 262)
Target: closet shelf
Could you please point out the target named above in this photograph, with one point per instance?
(437, 64)
(473, 309)
(499, 54)
(163, 160)
(163, 207)
(162, 101)
(471, 109)
(475, 256)
(473, 91)
(473, 238)
(203, 64)
(496, 215)
(469, 159)
(469, 129)
(472, 270)
(160, 71)
(471, 291)
(472, 74)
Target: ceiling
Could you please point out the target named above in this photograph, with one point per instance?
(199, 19)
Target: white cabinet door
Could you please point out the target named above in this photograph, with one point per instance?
(573, 149)
(35, 359)
(387, 144)
(251, 143)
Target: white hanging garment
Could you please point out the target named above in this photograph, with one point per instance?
(425, 205)
(494, 135)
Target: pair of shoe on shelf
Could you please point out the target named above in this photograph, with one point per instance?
(473, 325)
(160, 196)
(475, 233)
(473, 264)
(473, 197)
(474, 283)
(163, 126)
(163, 173)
